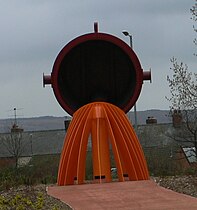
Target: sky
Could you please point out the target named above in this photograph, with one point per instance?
(33, 32)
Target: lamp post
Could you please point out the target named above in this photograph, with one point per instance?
(31, 143)
(126, 33)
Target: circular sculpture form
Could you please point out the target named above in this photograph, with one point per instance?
(96, 67)
(97, 78)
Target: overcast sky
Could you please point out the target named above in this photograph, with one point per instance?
(33, 32)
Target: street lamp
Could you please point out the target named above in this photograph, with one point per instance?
(126, 33)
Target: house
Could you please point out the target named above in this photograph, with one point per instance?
(186, 157)
(32, 143)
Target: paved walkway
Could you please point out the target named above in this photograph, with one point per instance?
(134, 195)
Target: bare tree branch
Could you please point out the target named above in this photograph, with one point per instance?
(14, 145)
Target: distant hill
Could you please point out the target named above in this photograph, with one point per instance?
(53, 123)
(34, 124)
(162, 116)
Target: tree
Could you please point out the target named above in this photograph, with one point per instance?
(183, 90)
(14, 143)
(183, 87)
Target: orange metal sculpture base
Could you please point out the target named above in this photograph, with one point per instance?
(109, 128)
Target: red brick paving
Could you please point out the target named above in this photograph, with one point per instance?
(134, 195)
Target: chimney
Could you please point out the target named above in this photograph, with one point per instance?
(151, 120)
(177, 118)
(16, 129)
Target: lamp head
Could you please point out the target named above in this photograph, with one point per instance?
(126, 33)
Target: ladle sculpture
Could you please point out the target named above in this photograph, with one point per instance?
(97, 78)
